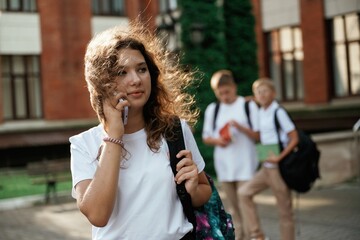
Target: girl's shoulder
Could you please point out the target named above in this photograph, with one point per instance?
(88, 136)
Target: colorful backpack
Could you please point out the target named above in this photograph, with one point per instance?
(210, 221)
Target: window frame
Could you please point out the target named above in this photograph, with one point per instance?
(165, 6)
(333, 45)
(168, 26)
(100, 11)
(25, 78)
(275, 53)
(7, 6)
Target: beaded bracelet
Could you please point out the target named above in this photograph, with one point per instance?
(113, 140)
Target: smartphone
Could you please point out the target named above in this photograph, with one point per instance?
(125, 113)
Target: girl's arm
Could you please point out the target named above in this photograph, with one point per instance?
(203, 192)
(96, 197)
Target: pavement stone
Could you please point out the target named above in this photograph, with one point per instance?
(331, 213)
(52, 222)
(322, 214)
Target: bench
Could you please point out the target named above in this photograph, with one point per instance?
(49, 172)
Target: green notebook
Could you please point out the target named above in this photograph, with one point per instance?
(263, 151)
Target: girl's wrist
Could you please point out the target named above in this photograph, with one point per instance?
(117, 141)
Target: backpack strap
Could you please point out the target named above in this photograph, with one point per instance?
(247, 111)
(277, 125)
(216, 111)
(176, 145)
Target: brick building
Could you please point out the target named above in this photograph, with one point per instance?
(311, 49)
(43, 94)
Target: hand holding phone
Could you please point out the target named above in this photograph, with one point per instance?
(125, 112)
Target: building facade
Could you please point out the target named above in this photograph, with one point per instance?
(310, 48)
(44, 99)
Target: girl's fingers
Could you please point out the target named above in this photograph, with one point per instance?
(186, 169)
(185, 174)
(184, 162)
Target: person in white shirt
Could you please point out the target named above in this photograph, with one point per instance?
(122, 178)
(269, 175)
(235, 159)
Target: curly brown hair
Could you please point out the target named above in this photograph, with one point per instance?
(168, 99)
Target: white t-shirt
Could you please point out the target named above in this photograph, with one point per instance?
(268, 131)
(238, 160)
(147, 205)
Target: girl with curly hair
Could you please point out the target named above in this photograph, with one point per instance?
(122, 178)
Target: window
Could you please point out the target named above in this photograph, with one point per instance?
(168, 26)
(108, 7)
(167, 6)
(286, 62)
(345, 33)
(21, 88)
(18, 5)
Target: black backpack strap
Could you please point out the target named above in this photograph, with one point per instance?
(176, 145)
(216, 111)
(247, 111)
(277, 125)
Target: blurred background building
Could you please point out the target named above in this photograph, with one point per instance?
(44, 99)
(310, 48)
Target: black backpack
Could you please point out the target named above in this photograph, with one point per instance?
(300, 168)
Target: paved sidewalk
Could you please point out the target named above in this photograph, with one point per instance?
(324, 214)
(52, 222)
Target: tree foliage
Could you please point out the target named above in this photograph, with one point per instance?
(207, 56)
(241, 44)
(228, 43)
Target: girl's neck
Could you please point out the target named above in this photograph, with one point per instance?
(135, 123)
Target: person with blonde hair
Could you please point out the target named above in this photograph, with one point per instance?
(269, 175)
(122, 177)
(234, 153)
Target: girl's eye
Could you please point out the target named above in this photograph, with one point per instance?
(121, 73)
(143, 69)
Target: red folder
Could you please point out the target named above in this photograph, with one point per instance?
(225, 132)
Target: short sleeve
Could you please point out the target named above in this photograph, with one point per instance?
(83, 164)
(286, 124)
(208, 121)
(191, 145)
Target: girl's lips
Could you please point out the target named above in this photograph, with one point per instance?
(135, 94)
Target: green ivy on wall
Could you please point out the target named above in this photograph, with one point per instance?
(241, 43)
(203, 17)
(217, 37)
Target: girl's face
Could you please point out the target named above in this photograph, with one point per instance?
(133, 78)
(264, 95)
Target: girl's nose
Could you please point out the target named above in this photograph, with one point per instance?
(135, 78)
